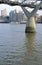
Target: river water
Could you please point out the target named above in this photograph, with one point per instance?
(19, 48)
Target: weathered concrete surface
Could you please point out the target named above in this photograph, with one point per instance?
(30, 26)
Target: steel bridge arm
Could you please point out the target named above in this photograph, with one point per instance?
(36, 9)
(31, 14)
(26, 12)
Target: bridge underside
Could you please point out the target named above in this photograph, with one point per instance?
(13, 3)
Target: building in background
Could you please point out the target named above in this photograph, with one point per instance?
(17, 16)
(13, 16)
(4, 12)
(36, 17)
(4, 18)
(41, 18)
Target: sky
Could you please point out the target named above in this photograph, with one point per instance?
(9, 8)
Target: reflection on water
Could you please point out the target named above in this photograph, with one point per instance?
(30, 39)
(30, 53)
(19, 48)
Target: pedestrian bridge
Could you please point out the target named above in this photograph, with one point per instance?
(30, 25)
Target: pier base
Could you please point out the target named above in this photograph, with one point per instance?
(30, 25)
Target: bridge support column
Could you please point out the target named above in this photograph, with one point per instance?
(30, 25)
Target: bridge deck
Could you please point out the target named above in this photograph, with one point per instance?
(13, 3)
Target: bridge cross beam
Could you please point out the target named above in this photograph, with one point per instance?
(30, 25)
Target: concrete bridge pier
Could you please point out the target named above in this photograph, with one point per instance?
(30, 25)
